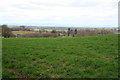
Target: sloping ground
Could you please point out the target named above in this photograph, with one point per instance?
(69, 57)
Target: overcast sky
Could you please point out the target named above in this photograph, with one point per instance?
(83, 13)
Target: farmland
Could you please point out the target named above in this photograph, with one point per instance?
(68, 57)
(23, 32)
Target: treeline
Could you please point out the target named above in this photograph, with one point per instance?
(20, 28)
(71, 32)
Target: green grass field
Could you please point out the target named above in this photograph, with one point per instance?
(69, 57)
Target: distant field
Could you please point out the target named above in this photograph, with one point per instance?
(56, 30)
(69, 57)
(23, 32)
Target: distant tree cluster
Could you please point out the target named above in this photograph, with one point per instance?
(88, 32)
(20, 28)
(6, 32)
(72, 32)
(53, 31)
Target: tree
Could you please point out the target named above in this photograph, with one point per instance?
(58, 34)
(68, 31)
(75, 31)
(6, 32)
(53, 31)
(22, 27)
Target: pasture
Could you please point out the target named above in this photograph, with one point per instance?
(68, 57)
(23, 32)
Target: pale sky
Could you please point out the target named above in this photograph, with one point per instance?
(78, 13)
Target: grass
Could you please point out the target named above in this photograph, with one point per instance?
(69, 57)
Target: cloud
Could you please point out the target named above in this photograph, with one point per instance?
(59, 12)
